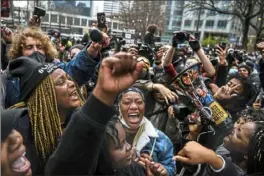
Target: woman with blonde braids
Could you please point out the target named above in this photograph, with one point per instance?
(32, 42)
(50, 96)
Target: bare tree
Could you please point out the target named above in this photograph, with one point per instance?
(244, 10)
(258, 23)
(139, 14)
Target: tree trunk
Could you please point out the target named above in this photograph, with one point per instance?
(245, 33)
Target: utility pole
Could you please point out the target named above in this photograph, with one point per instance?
(19, 10)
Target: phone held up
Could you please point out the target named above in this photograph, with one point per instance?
(39, 12)
(101, 20)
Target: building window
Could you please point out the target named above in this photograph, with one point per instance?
(54, 18)
(77, 21)
(114, 25)
(46, 18)
(177, 12)
(209, 23)
(176, 23)
(62, 19)
(187, 23)
(222, 23)
(211, 13)
(84, 22)
(200, 23)
(69, 20)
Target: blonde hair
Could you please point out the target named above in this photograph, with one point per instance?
(44, 117)
(20, 37)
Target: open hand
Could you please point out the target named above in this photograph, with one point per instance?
(221, 54)
(168, 95)
(225, 92)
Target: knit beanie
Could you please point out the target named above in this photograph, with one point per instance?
(8, 119)
(30, 72)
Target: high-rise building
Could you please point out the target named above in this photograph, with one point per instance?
(111, 7)
(212, 23)
(173, 18)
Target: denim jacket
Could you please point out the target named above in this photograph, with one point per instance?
(163, 147)
(80, 68)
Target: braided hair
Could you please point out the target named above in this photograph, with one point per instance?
(44, 117)
(251, 114)
(112, 132)
(256, 150)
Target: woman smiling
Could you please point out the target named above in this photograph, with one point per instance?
(149, 142)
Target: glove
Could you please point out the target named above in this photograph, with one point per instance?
(195, 45)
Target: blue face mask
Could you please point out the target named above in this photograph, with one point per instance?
(232, 71)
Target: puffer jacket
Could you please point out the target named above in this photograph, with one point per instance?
(156, 142)
(80, 68)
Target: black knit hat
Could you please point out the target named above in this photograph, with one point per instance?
(9, 118)
(30, 72)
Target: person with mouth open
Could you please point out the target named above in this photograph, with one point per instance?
(13, 160)
(50, 96)
(241, 153)
(150, 143)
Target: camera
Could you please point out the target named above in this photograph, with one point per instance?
(144, 50)
(180, 36)
(39, 12)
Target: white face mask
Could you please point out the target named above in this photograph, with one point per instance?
(111, 53)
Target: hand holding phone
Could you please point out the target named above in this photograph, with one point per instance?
(6, 33)
(101, 20)
(35, 21)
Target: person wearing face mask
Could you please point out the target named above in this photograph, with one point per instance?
(79, 147)
(149, 142)
(32, 41)
(13, 160)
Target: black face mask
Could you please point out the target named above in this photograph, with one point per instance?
(36, 55)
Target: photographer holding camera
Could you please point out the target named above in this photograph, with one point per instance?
(178, 38)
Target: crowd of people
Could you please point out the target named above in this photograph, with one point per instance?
(88, 109)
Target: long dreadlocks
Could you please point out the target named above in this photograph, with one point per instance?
(44, 117)
(256, 150)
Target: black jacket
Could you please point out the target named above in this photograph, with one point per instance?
(81, 141)
(149, 39)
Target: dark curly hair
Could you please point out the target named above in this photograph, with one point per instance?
(152, 28)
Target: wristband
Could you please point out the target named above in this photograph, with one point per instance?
(224, 163)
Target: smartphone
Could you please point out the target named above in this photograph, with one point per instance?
(39, 12)
(101, 20)
(222, 45)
